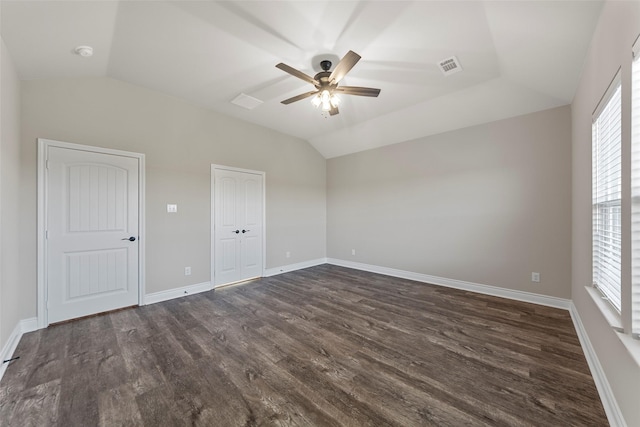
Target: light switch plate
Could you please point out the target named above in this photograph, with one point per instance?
(172, 208)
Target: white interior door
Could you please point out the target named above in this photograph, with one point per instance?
(238, 225)
(92, 238)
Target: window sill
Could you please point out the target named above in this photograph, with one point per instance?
(610, 313)
(615, 321)
(632, 345)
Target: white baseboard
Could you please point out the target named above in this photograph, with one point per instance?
(293, 267)
(176, 293)
(611, 408)
(23, 326)
(458, 284)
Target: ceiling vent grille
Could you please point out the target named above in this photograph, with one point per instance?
(246, 101)
(449, 66)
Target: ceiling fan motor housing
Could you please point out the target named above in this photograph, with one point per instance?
(325, 65)
(323, 78)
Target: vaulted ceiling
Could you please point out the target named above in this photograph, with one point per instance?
(517, 57)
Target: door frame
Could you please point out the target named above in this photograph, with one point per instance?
(264, 215)
(42, 255)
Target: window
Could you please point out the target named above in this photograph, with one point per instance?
(607, 195)
(635, 191)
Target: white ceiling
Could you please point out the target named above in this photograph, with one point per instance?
(517, 57)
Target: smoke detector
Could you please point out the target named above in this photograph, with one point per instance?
(84, 51)
(449, 66)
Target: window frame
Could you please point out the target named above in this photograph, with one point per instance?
(612, 296)
(634, 305)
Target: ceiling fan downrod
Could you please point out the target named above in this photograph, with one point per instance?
(325, 65)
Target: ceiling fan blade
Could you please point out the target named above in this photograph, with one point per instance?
(298, 74)
(299, 97)
(344, 66)
(355, 90)
(333, 111)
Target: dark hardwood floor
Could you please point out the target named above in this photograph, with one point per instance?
(325, 346)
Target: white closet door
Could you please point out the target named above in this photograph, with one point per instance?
(238, 228)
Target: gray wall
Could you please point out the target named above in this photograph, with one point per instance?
(12, 305)
(618, 27)
(487, 204)
(180, 142)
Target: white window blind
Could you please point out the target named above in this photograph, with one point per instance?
(606, 157)
(635, 191)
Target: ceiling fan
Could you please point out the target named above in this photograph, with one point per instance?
(326, 83)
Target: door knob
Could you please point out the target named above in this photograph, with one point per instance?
(235, 231)
(244, 231)
(131, 239)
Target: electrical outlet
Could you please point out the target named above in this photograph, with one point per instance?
(353, 251)
(187, 271)
(172, 208)
(535, 277)
(288, 254)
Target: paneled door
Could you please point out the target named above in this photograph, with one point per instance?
(92, 232)
(237, 225)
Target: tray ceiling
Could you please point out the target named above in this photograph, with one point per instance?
(517, 57)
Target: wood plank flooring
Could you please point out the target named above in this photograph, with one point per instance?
(324, 346)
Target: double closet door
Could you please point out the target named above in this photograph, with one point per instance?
(238, 215)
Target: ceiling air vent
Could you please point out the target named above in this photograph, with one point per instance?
(449, 66)
(246, 101)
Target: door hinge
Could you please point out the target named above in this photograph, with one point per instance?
(46, 234)
(46, 164)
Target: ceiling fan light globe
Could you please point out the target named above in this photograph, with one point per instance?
(335, 100)
(316, 101)
(325, 97)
